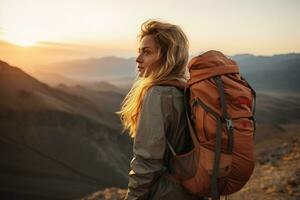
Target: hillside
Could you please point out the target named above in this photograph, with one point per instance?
(276, 177)
(55, 144)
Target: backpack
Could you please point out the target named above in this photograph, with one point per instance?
(220, 108)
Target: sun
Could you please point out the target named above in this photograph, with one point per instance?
(21, 41)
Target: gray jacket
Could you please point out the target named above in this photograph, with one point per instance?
(162, 116)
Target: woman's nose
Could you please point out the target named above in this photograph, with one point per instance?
(139, 59)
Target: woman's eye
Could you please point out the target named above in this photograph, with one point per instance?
(144, 52)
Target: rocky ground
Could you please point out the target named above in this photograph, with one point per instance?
(276, 176)
(107, 194)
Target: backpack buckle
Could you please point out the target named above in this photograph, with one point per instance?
(229, 124)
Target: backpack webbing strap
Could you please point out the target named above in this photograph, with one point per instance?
(215, 172)
(191, 129)
(197, 101)
(187, 112)
(225, 117)
(254, 102)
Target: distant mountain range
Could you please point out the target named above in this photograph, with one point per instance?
(271, 73)
(265, 73)
(54, 79)
(94, 69)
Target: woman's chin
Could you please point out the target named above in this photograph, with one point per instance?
(140, 73)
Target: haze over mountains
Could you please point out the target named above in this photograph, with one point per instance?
(271, 73)
(62, 140)
(114, 69)
(265, 73)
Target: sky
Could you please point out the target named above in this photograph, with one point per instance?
(33, 32)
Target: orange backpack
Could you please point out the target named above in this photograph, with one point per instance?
(220, 114)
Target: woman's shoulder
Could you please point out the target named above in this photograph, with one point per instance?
(168, 97)
(165, 91)
(164, 99)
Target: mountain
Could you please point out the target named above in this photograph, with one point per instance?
(278, 108)
(55, 79)
(108, 101)
(21, 92)
(105, 68)
(56, 144)
(277, 73)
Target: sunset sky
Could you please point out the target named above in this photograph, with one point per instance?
(34, 32)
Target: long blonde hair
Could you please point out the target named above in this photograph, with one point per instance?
(173, 47)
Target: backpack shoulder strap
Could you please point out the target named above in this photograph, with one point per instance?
(176, 83)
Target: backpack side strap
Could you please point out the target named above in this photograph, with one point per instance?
(225, 117)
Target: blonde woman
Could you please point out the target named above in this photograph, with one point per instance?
(154, 113)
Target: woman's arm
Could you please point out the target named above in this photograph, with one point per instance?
(149, 145)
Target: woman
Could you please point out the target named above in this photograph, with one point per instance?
(154, 114)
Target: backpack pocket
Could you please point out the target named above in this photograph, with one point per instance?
(185, 165)
(207, 162)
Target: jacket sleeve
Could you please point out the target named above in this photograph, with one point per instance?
(149, 145)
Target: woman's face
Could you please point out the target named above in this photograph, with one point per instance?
(148, 55)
